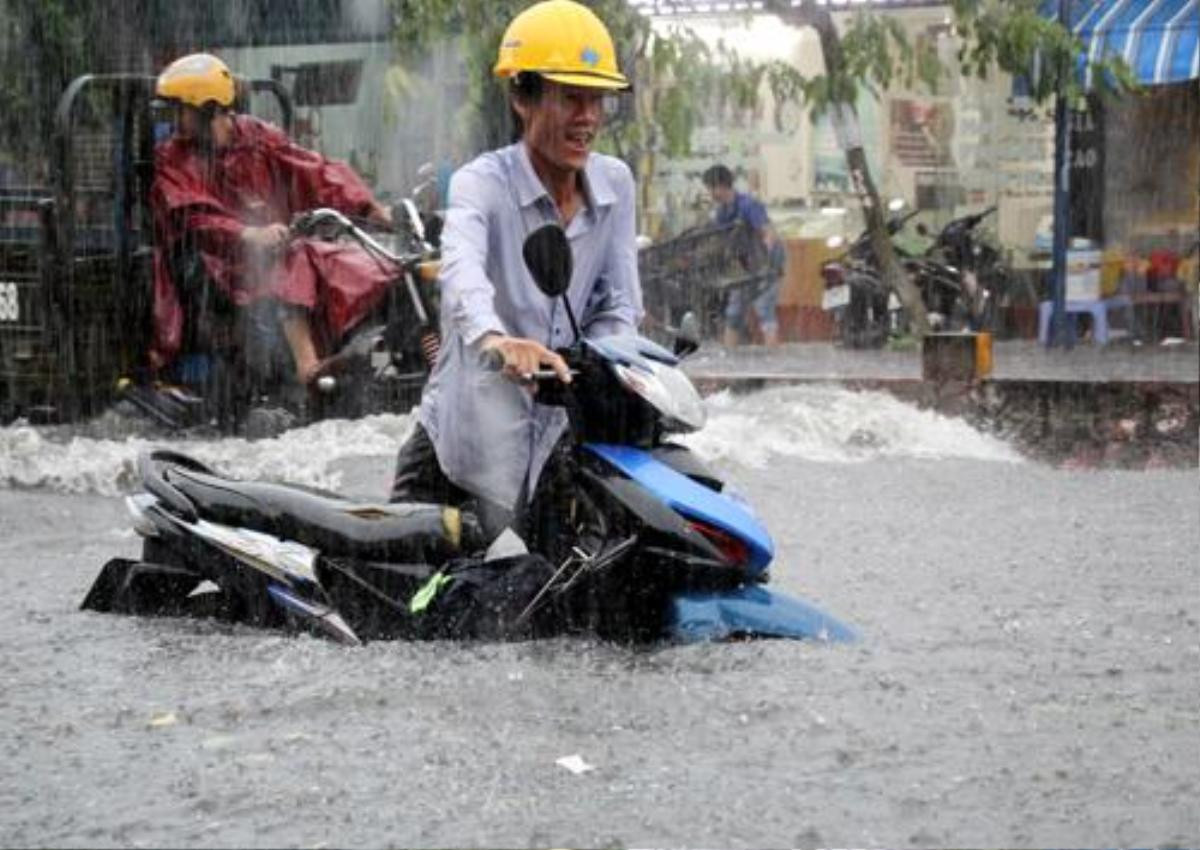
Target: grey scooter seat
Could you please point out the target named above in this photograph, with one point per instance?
(395, 532)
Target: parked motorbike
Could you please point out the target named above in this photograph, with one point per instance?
(865, 312)
(962, 276)
(654, 545)
(380, 364)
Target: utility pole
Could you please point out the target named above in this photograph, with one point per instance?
(1061, 332)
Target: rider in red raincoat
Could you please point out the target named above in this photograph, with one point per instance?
(230, 184)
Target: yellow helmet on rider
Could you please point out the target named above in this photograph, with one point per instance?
(198, 79)
(562, 41)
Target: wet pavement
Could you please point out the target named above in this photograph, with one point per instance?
(1014, 360)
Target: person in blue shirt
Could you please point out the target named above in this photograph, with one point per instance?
(765, 253)
(481, 437)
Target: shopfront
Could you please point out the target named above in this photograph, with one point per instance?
(1134, 161)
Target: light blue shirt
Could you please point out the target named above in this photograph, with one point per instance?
(491, 438)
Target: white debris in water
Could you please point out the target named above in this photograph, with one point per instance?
(163, 718)
(575, 764)
(822, 423)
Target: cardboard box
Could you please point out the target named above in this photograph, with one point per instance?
(802, 285)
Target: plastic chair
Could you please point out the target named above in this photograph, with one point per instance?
(1098, 309)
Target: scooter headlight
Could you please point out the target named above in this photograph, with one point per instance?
(667, 390)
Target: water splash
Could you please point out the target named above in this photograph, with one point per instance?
(33, 458)
(829, 424)
(826, 424)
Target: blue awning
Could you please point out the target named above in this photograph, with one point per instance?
(1158, 39)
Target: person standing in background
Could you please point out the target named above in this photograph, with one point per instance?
(765, 253)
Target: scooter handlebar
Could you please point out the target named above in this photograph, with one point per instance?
(492, 360)
(973, 220)
(308, 223)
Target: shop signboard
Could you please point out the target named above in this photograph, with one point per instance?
(1086, 157)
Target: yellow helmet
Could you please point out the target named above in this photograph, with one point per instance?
(563, 41)
(196, 79)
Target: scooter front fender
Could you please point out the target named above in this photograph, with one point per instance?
(753, 611)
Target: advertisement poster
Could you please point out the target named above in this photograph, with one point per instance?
(922, 133)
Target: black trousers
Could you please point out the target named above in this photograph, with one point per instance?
(542, 521)
(250, 336)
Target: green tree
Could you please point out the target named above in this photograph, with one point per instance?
(676, 77)
(44, 44)
(43, 48)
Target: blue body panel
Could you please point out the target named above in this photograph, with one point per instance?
(752, 610)
(690, 498)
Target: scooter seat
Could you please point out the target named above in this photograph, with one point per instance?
(395, 532)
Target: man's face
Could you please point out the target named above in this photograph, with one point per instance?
(562, 124)
(721, 195)
(189, 120)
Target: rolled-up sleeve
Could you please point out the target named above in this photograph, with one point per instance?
(468, 296)
(616, 303)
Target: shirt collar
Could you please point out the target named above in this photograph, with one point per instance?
(597, 189)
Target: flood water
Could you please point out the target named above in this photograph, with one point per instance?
(1028, 672)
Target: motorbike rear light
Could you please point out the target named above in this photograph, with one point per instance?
(732, 550)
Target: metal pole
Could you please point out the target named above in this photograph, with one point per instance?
(1061, 330)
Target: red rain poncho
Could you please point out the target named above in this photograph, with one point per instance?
(261, 178)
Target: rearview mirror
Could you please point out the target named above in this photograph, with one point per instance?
(687, 339)
(547, 255)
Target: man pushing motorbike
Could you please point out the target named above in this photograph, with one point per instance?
(481, 435)
(226, 186)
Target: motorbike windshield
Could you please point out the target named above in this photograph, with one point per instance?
(652, 373)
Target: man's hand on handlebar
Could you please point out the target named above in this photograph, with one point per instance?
(381, 215)
(524, 358)
(270, 237)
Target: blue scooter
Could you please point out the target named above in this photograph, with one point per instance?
(659, 546)
(650, 545)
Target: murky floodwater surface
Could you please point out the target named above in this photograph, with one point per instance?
(1029, 672)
